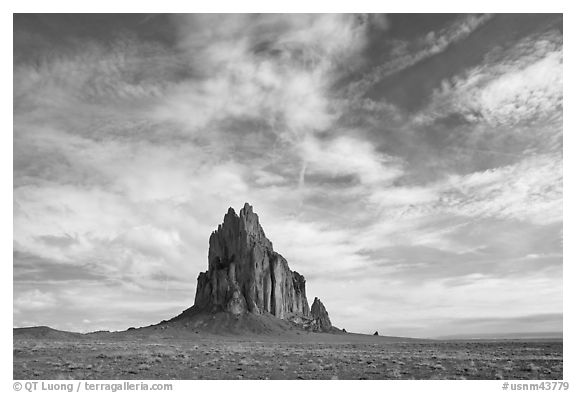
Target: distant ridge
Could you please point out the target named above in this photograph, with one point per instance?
(44, 332)
(221, 325)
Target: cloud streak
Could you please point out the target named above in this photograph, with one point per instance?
(406, 54)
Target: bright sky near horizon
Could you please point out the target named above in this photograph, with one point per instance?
(409, 166)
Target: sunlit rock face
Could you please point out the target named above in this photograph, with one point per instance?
(245, 274)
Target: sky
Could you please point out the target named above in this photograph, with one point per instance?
(408, 165)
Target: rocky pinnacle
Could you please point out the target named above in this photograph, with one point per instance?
(320, 316)
(245, 274)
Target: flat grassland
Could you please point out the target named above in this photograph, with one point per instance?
(310, 356)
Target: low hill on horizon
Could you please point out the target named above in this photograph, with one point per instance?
(219, 325)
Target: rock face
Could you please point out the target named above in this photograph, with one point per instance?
(320, 316)
(245, 274)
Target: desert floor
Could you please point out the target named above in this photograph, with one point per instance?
(310, 356)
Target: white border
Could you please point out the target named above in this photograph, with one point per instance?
(292, 6)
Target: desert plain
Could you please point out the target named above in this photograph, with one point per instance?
(294, 355)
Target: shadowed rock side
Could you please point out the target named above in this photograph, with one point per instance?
(245, 274)
(320, 316)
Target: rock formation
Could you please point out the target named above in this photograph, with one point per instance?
(245, 274)
(320, 316)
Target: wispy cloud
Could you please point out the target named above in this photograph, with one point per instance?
(95, 77)
(523, 88)
(530, 190)
(406, 54)
(275, 68)
(349, 156)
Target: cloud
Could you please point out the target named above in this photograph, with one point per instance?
(403, 196)
(33, 300)
(95, 81)
(345, 155)
(530, 190)
(33, 268)
(506, 93)
(58, 241)
(406, 54)
(276, 68)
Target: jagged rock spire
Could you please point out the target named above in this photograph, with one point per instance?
(245, 274)
(320, 315)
